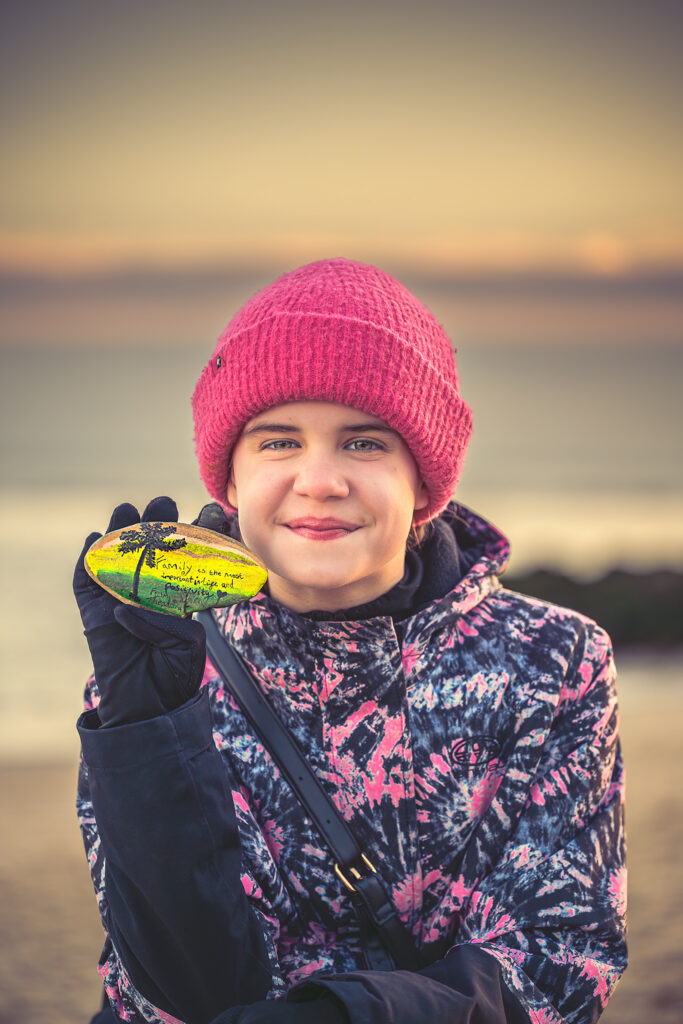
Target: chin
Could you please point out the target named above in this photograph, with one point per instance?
(320, 589)
(321, 582)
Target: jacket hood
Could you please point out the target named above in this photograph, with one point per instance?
(484, 553)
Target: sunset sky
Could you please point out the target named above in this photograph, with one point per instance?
(517, 163)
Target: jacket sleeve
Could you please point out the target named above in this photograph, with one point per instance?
(465, 987)
(186, 932)
(550, 912)
(553, 908)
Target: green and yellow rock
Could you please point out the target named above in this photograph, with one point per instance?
(174, 568)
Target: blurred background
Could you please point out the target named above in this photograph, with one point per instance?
(517, 164)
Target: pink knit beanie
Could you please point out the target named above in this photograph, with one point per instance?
(343, 332)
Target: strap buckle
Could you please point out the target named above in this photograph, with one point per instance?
(354, 871)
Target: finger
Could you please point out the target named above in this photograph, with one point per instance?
(212, 517)
(161, 510)
(95, 604)
(83, 583)
(123, 515)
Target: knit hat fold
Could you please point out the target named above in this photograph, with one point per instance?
(343, 332)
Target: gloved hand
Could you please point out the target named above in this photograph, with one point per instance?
(270, 1011)
(145, 663)
(213, 517)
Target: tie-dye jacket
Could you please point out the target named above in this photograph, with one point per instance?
(474, 753)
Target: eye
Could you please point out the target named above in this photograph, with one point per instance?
(365, 444)
(280, 444)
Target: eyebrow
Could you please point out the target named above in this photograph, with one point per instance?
(285, 428)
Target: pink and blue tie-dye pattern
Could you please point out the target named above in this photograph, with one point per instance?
(476, 760)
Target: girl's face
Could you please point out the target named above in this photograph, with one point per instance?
(325, 496)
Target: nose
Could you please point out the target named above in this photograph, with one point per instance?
(319, 476)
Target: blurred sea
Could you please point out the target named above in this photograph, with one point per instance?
(576, 456)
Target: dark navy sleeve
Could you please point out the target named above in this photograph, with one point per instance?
(176, 912)
(464, 988)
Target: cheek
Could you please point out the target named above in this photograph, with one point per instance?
(405, 493)
(251, 527)
(394, 503)
(240, 479)
(256, 500)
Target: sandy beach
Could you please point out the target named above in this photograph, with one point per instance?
(50, 935)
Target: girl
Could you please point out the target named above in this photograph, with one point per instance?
(466, 734)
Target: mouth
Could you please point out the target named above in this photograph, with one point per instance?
(321, 529)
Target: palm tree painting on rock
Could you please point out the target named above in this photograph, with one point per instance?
(152, 538)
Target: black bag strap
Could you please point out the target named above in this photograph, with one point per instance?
(352, 865)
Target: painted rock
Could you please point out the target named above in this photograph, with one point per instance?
(174, 568)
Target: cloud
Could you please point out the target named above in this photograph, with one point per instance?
(190, 303)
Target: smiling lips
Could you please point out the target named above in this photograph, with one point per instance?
(321, 529)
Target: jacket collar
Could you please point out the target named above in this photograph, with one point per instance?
(484, 554)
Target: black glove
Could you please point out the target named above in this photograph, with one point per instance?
(270, 1011)
(145, 663)
(213, 517)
